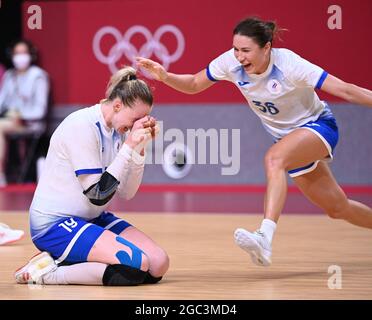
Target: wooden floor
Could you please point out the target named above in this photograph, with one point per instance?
(206, 264)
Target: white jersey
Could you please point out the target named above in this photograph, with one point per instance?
(283, 96)
(80, 145)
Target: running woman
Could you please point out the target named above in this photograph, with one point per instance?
(279, 87)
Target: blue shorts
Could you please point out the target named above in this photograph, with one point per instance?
(325, 127)
(70, 240)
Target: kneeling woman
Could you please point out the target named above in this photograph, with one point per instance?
(91, 158)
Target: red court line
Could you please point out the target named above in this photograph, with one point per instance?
(204, 188)
(236, 188)
(27, 187)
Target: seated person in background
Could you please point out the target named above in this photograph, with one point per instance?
(24, 93)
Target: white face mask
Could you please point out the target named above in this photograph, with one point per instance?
(21, 61)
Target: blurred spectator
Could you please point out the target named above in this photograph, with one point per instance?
(24, 95)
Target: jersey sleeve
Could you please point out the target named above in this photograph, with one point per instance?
(304, 73)
(4, 90)
(218, 68)
(81, 146)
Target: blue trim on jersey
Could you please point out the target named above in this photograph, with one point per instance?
(321, 80)
(88, 171)
(244, 77)
(209, 75)
(242, 83)
(101, 134)
(116, 139)
(115, 135)
(276, 73)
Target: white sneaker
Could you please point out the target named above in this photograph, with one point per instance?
(33, 271)
(256, 244)
(8, 235)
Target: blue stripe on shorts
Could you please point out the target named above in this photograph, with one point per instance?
(107, 218)
(326, 127)
(70, 240)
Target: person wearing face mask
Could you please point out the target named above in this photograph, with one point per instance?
(24, 95)
(95, 154)
(7, 234)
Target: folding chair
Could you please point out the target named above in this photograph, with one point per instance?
(28, 141)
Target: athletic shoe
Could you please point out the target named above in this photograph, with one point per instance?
(8, 235)
(35, 269)
(256, 244)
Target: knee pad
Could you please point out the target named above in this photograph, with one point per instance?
(149, 279)
(122, 275)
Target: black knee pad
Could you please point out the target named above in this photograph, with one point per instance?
(150, 279)
(121, 275)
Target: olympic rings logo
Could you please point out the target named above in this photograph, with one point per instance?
(152, 46)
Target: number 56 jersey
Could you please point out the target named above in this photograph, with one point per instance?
(283, 97)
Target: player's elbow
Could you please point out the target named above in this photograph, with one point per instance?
(192, 89)
(196, 85)
(101, 192)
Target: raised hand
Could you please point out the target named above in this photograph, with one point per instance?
(154, 68)
(142, 132)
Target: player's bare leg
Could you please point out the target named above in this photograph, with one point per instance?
(321, 188)
(297, 149)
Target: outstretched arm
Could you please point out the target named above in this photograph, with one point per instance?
(347, 91)
(186, 83)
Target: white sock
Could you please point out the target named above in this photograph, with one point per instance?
(86, 273)
(268, 227)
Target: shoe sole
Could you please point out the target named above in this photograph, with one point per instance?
(39, 256)
(11, 241)
(252, 247)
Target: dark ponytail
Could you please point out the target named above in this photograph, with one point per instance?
(261, 31)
